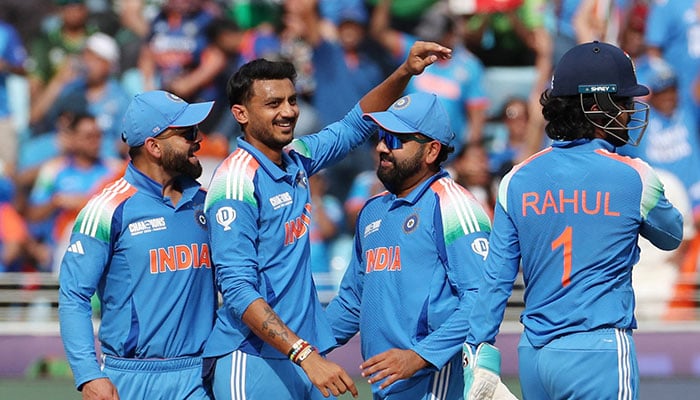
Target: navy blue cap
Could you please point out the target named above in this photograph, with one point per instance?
(416, 113)
(596, 67)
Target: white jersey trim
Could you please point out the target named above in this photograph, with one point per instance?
(624, 369)
(238, 371)
(441, 383)
(236, 175)
(96, 207)
(463, 207)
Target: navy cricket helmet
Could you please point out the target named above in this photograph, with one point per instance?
(607, 74)
(596, 67)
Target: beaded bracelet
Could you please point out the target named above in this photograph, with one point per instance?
(296, 347)
(296, 354)
(305, 352)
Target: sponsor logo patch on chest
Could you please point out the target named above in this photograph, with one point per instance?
(147, 226)
(372, 227)
(281, 200)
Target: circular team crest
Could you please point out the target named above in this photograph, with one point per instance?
(411, 223)
(401, 103)
(302, 179)
(200, 218)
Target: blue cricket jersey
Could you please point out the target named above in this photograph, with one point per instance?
(150, 265)
(259, 230)
(416, 266)
(572, 214)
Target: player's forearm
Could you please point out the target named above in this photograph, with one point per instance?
(267, 325)
(382, 96)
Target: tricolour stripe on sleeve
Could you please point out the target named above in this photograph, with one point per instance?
(234, 179)
(95, 219)
(300, 147)
(461, 212)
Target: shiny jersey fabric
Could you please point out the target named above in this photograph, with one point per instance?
(572, 214)
(260, 215)
(150, 265)
(416, 265)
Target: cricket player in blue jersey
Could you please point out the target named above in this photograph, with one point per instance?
(142, 245)
(271, 334)
(571, 215)
(418, 256)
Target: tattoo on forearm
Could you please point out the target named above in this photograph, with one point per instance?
(273, 326)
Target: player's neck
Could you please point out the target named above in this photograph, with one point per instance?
(173, 190)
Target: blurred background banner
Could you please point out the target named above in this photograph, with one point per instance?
(461, 7)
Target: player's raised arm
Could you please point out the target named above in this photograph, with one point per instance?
(422, 55)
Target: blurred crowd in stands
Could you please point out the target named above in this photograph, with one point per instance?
(68, 69)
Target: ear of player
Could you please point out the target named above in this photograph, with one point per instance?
(482, 369)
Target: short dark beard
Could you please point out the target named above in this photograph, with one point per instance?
(268, 139)
(394, 178)
(180, 163)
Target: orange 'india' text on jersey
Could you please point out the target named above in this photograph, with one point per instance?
(180, 257)
(383, 258)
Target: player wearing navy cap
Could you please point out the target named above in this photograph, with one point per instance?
(571, 215)
(142, 245)
(271, 334)
(417, 260)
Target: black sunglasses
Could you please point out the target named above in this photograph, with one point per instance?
(189, 133)
(395, 141)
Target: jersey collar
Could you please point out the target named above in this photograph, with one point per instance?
(148, 186)
(584, 144)
(417, 193)
(272, 169)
